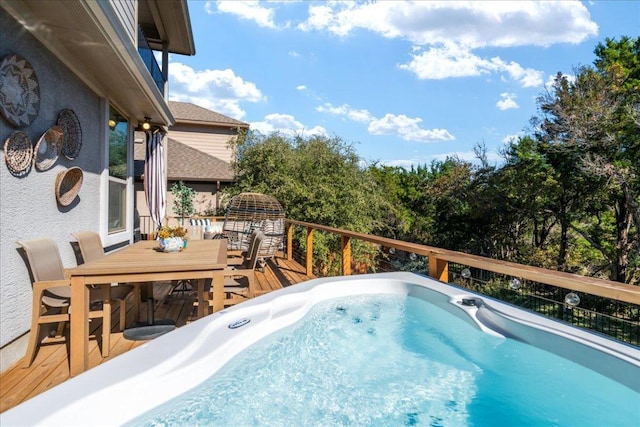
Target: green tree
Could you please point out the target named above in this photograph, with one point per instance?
(182, 200)
(316, 179)
(404, 190)
(588, 126)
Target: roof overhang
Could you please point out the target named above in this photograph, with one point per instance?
(167, 22)
(212, 123)
(91, 40)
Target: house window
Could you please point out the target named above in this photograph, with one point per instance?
(118, 160)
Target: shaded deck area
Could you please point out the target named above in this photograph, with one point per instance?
(51, 365)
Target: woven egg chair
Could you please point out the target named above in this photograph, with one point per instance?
(254, 211)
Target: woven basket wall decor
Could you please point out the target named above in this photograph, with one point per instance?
(48, 148)
(19, 91)
(72, 131)
(68, 183)
(18, 153)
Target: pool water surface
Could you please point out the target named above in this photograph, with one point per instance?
(396, 360)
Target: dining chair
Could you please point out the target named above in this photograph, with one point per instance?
(91, 249)
(240, 257)
(239, 280)
(52, 295)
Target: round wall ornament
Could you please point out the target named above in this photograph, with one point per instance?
(19, 91)
(72, 131)
(48, 148)
(18, 153)
(67, 186)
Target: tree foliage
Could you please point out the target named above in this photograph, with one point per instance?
(183, 200)
(567, 195)
(590, 137)
(316, 179)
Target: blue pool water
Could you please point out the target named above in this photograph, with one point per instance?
(391, 360)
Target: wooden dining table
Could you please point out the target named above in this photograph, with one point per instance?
(137, 264)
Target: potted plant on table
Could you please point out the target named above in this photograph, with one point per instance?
(172, 239)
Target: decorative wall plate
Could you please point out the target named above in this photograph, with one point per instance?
(19, 91)
(18, 153)
(48, 148)
(70, 125)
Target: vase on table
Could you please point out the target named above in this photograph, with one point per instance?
(172, 244)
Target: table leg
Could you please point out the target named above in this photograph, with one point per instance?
(218, 290)
(136, 301)
(79, 335)
(106, 319)
(202, 299)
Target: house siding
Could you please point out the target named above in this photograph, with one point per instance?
(28, 208)
(211, 140)
(126, 12)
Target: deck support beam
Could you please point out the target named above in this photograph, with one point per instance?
(345, 243)
(439, 269)
(289, 241)
(309, 260)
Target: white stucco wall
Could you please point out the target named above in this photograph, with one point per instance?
(28, 207)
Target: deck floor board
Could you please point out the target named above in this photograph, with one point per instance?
(51, 366)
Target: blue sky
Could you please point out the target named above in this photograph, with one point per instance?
(404, 82)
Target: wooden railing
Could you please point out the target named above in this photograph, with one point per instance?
(545, 290)
(439, 260)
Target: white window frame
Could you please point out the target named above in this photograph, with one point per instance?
(126, 235)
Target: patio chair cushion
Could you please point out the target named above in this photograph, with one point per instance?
(206, 222)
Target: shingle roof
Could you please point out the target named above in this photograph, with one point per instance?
(187, 112)
(187, 164)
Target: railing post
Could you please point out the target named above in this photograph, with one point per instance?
(439, 269)
(345, 243)
(309, 251)
(289, 241)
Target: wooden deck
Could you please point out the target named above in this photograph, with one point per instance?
(51, 365)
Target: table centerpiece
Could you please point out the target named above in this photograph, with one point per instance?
(172, 239)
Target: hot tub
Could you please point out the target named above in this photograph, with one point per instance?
(130, 388)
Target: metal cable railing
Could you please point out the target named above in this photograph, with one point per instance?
(619, 319)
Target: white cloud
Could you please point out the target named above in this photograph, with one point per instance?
(451, 60)
(512, 138)
(362, 116)
(219, 90)
(407, 129)
(551, 80)
(472, 23)
(404, 127)
(452, 30)
(507, 102)
(407, 164)
(308, 92)
(285, 124)
(249, 10)
(527, 77)
(444, 62)
(467, 156)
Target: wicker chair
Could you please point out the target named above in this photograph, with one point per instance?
(247, 212)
